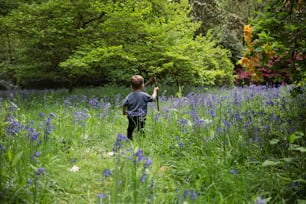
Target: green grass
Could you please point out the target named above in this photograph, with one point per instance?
(238, 145)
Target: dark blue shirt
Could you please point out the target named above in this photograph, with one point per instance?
(136, 103)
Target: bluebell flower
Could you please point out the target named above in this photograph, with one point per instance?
(226, 123)
(260, 200)
(93, 102)
(40, 171)
(121, 137)
(194, 195)
(119, 142)
(213, 113)
(182, 122)
(29, 182)
(81, 116)
(14, 127)
(234, 171)
(37, 154)
(143, 177)
(186, 193)
(107, 173)
(156, 117)
(48, 128)
(41, 115)
(34, 136)
(101, 195)
(139, 155)
(67, 102)
(148, 163)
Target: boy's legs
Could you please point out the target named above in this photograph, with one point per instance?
(141, 124)
(134, 122)
(131, 127)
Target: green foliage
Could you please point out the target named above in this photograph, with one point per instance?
(64, 42)
(280, 28)
(148, 43)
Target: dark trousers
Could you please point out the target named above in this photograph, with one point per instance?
(135, 121)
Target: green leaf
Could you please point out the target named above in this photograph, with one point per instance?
(9, 155)
(270, 163)
(299, 148)
(288, 159)
(274, 141)
(17, 158)
(294, 136)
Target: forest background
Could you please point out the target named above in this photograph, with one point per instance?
(67, 44)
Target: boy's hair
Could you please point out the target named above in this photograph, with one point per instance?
(137, 81)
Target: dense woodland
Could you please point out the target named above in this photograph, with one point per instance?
(69, 43)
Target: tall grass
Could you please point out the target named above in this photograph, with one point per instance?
(238, 145)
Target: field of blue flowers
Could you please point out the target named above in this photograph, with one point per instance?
(231, 145)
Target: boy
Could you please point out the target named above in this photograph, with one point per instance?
(135, 105)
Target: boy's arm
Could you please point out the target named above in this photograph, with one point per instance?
(124, 110)
(155, 92)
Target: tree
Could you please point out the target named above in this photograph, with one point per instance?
(153, 37)
(276, 38)
(65, 42)
(225, 18)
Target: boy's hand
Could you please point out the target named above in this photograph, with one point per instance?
(155, 92)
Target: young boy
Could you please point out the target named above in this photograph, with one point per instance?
(135, 105)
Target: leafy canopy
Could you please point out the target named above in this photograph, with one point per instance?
(69, 41)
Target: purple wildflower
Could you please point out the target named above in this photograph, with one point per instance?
(37, 154)
(213, 113)
(148, 163)
(192, 194)
(186, 193)
(143, 177)
(14, 127)
(93, 102)
(67, 102)
(29, 182)
(182, 122)
(107, 173)
(40, 171)
(34, 135)
(234, 171)
(119, 142)
(41, 115)
(260, 200)
(156, 117)
(101, 195)
(226, 123)
(139, 155)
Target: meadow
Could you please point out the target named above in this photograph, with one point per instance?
(227, 145)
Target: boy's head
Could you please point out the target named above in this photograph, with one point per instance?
(137, 82)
